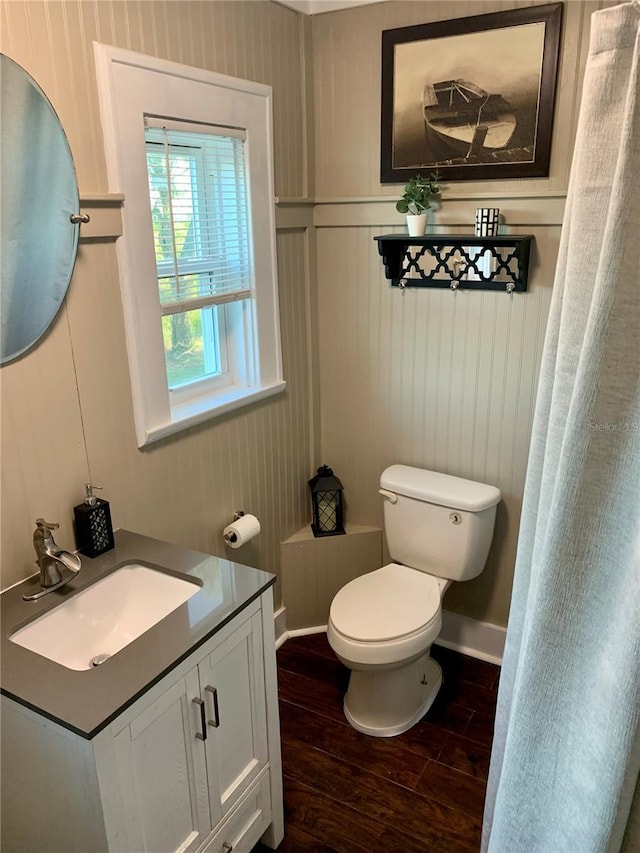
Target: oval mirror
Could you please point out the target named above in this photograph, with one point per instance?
(39, 192)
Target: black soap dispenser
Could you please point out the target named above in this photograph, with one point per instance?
(94, 531)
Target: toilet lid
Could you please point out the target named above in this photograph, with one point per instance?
(387, 604)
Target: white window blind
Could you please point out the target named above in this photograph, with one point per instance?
(200, 212)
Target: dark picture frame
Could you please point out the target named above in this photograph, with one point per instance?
(473, 97)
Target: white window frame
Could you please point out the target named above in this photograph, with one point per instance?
(130, 86)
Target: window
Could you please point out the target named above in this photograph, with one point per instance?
(197, 259)
(202, 243)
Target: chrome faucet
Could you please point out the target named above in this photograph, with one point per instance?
(50, 559)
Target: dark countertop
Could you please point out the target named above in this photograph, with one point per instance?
(85, 701)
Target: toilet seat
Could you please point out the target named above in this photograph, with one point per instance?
(388, 604)
(386, 616)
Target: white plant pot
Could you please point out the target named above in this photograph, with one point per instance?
(416, 224)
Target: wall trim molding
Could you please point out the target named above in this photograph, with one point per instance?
(481, 640)
(294, 215)
(496, 195)
(517, 211)
(455, 196)
(105, 210)
(294, 201)
(317, 7)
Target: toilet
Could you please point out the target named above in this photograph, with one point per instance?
(382, 625)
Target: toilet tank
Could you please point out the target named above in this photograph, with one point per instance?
(437, 523)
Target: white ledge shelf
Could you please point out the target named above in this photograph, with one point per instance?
(105, 216)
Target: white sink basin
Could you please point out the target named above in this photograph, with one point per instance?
(107, 616)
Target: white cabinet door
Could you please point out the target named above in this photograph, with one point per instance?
(232, 685)
(162, 773)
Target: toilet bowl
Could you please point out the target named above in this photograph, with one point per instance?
(382, 624)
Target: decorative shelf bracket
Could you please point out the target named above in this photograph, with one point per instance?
(456, 261)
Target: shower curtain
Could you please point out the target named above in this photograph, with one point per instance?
(566, 753)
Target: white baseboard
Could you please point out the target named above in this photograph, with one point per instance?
(282, 635)
(304, 632)
(472, 637)
(480, 640)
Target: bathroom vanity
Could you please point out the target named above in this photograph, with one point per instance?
(171, 744)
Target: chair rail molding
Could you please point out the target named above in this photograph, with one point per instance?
(105, 216)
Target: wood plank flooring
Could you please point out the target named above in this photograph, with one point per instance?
(345, 792)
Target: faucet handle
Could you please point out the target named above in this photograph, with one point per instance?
(43, 531)
(46, 525)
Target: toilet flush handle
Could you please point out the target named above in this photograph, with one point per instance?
(390, 496)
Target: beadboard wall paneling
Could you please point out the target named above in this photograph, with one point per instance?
(314, 569)
(66, 406)
(251, 460)
(427, 377)
(259, 41)
(42, 459)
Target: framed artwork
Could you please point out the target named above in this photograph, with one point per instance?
(472, 97)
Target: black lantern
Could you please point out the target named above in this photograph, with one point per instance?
(326, 501)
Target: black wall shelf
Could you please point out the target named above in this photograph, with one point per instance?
(456, 261)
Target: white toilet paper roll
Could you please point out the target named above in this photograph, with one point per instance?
(241, 531)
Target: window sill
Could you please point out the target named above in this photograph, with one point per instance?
(204, 409)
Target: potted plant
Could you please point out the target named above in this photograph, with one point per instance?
(416, 200)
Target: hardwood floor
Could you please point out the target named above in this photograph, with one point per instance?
(345, 792)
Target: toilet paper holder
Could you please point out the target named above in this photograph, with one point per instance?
(241, 530)
(232, 538)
